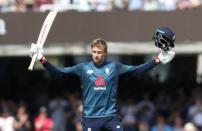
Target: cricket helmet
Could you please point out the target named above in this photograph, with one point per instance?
(164, 38)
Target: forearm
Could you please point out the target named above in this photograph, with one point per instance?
(146, 66)
(51, 68)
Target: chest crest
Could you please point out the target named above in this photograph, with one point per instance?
(107, 71)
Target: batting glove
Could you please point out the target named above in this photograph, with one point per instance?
(166, 56)
(36, 50)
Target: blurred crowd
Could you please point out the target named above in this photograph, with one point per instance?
(96, 5)
(43, 114)
(161, 110)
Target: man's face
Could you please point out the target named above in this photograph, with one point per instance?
(98, 54)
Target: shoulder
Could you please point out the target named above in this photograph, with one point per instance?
(84, 64)
(111, 62)
(114, 63)
(81, 64)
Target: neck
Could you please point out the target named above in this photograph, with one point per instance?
(98, 63)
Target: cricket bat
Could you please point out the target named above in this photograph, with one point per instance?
(43, 34)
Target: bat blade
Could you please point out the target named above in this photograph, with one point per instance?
(43, 34)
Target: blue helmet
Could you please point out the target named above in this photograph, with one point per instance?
(164, 38)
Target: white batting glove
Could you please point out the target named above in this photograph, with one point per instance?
(36, 50)
(166, 56)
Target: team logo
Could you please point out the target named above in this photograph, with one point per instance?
(89, 72)
(107, 71)
(100, 83)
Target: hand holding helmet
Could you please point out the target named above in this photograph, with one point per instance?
(164, 39)
(166, 56)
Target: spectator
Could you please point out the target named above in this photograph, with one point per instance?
(150, 5)
(22, 122)
(43, 5)
(161, 125)
(178, 123)
(163, 103)
(78, 117)
(146, 109)
(84, 6)
(29, 4)
(5, 5)
(6, 120)
(188, 4)
(18, 6)
(120, 4)
(143, 126)
(189, 127)
(61, 5)
(195, 3)
(183, 4)
(167, 5)
(135, 5)
(101, 5)
(57, 108)
(42, 122)
(129, 111)
(195, 113)
(73, 111)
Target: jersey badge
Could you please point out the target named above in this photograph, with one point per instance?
(89, 72)
(107, 71)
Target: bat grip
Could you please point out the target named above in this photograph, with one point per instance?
(31, 66)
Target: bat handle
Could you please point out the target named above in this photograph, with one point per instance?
(31, 66)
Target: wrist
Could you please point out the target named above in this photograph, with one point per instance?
(157, 60)
(43, 60)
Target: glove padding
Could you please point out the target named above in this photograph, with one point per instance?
(36, 50)
(166, 56)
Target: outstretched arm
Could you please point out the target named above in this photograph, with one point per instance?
(164, 57)
(145, 67)
(50, 67)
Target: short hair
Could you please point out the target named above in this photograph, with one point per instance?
(98, 43)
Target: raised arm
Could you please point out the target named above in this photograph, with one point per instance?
(164, 39)
(124, 69)
(145, 67)
(163, 57)
(50, 67)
